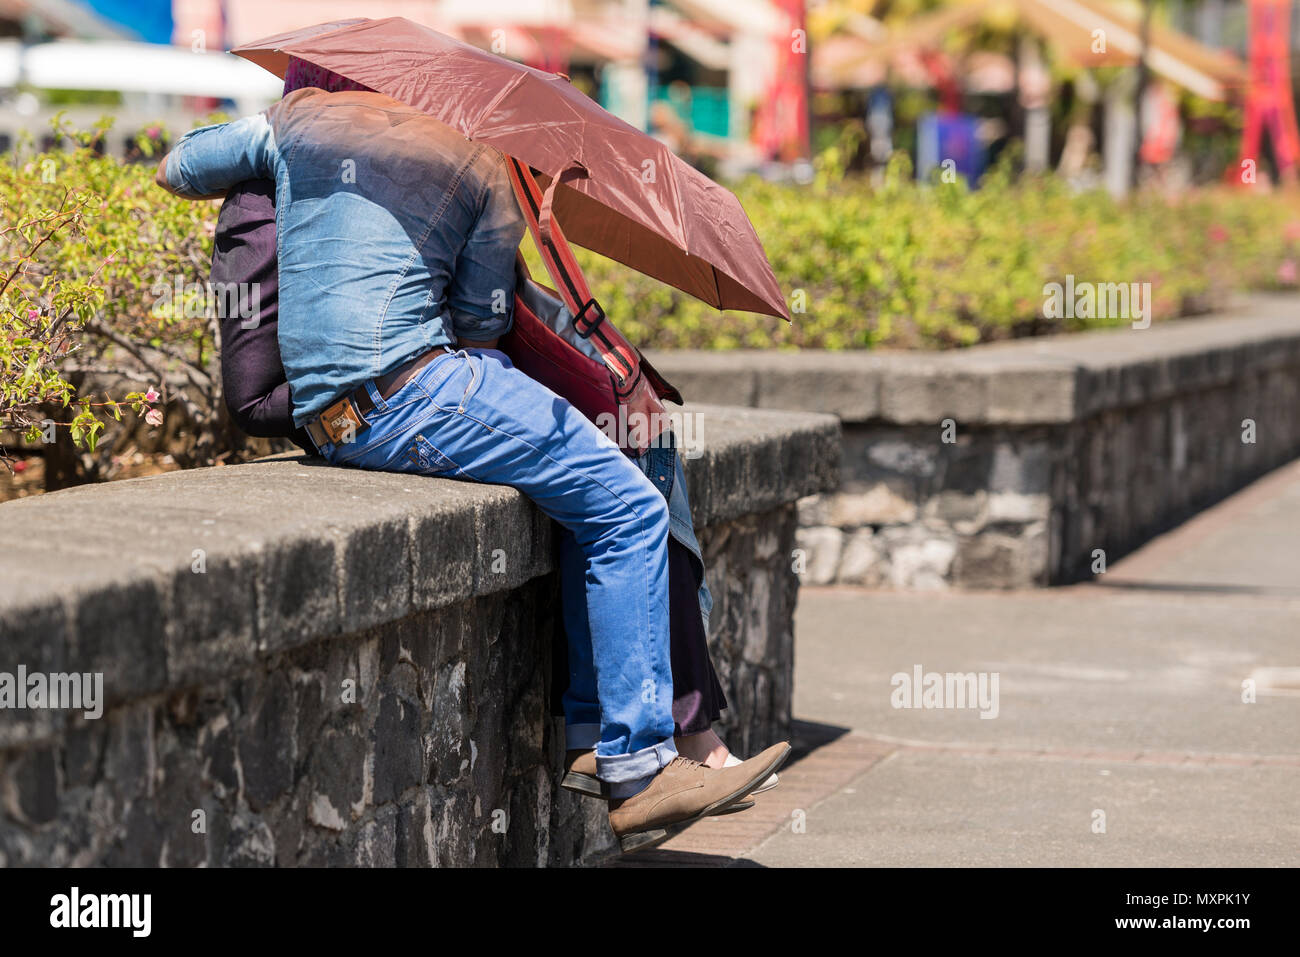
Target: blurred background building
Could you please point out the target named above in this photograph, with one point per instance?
(1104, 91)
(692, 70)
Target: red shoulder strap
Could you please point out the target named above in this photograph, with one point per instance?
(588, 318)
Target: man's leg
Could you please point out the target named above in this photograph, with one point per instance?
(471, 415)
(698, 698)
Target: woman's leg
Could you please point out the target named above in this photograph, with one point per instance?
(697, 695)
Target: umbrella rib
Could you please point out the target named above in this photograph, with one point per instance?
(491, 107)
(677, 199)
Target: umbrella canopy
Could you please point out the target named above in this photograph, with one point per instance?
(616, 190)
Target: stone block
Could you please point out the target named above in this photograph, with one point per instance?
(821, 547)
(927, 393)
(918, 558)
(814, 510)
(890, 501)
(862, 561)
(1017, 507)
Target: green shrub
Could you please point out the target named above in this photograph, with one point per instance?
(910, 265)
(88, 242)
(86, 245)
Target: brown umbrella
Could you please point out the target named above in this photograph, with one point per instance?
(621, 192)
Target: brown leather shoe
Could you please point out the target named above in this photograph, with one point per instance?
(580, 774)
(580, 777)
(684, 791)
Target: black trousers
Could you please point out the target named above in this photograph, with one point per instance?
(698, 699)
(697, 694)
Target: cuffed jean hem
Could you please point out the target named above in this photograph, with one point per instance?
(581, 737)
(628, 774)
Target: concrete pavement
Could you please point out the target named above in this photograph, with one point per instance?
(1121, 736)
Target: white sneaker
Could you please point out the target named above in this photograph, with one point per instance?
(771, 782)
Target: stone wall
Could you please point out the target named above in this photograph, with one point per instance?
(914, 511)
(306, 665)
(1031, 462)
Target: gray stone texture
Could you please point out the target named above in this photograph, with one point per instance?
(1009, 465)
(307, 665)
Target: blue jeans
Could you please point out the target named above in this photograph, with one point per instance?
(471, 415)
(662, 465)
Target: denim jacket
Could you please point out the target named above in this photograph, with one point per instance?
(394, 233)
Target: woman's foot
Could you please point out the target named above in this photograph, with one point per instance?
(705, 747)
(771, 782)
(709, 749)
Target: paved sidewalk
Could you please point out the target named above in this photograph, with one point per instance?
(1122, 696)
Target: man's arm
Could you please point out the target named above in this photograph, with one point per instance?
(160, 178)
(209, 160)
(481, 298)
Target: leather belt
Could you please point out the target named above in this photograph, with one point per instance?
(344, 418)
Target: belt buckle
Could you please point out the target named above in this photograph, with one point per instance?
(341, 422)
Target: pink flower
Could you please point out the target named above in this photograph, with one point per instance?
(32, 314)
(1286, 272)
(154, 417)
(151, 395)
(1218, 233)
